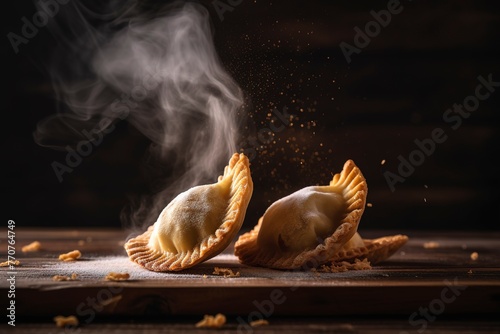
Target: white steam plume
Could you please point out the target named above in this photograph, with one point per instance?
(157, 69)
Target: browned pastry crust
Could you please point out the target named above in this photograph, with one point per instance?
(375, 250)
(308, 227)
(198, 224)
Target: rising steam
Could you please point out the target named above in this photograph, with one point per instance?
(158, 70)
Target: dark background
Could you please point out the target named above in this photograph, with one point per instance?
(287, 55)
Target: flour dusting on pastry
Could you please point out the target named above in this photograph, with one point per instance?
(198, 224)
(316, 225)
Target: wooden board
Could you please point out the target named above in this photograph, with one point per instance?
(442, 279)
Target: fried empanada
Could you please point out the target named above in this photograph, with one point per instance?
(198, 224)
(308, 227)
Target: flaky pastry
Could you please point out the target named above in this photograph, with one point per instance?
(316, 226)
(198, 224)
(308, 227)
(374, 250)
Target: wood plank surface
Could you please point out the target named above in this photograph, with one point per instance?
(276, 326)
(444, 279)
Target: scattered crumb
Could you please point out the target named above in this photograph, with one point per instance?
(210, 321)
(62, 321)
(227, 272)
(73, 277)
(470, 271)
(32, 247)
(71, 256)
(81, 242)
(425, 200)
(338, 267)
(260, 322)
(431, 244)
(10, 263)
(205, 276)
(474, 256)
(369, 205)
(382, 162)
(112, 276)
(316, 271)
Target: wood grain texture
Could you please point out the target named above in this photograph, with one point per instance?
(414, 277)
(276, 326)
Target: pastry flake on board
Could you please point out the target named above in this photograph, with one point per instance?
(114, 276)
(62, 321)
(70, 256)
(210, 321)
(32, 247)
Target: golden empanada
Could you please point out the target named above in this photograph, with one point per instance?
(198, 224)
(308, 227)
